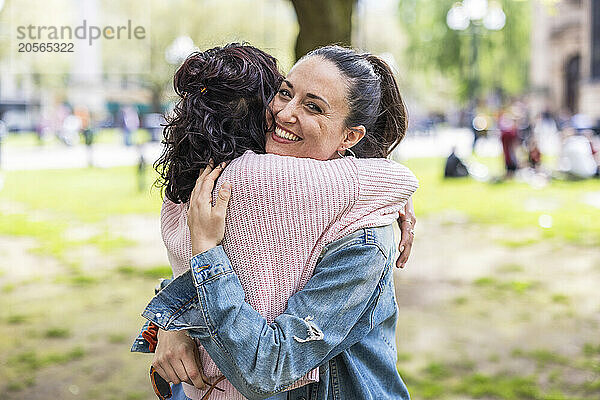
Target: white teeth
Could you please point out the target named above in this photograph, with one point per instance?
(286, 135)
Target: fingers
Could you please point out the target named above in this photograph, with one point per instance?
(161, 371)
(181, 371)
(405, 245)
(193, 372)
(165, 370)
(198, 184)
(404, 250)
(223, 199)
(208, 182)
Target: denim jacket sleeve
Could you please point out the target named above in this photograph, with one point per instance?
(140, 344)
(332, 312)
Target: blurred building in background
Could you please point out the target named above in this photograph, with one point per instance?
(565, 59)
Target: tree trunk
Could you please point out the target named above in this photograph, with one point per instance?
(323, 22)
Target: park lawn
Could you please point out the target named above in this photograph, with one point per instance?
(93, 195)
(85, 345)
(48, 204)
(512, 204)
(101, 136)
(86, 194)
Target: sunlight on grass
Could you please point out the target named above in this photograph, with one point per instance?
(157, 272)
(508, 203)
(88, 194)
(93, 194)
(101, 136)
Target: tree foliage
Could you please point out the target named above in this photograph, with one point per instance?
(433, 48)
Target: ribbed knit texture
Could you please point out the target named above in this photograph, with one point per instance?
(282, 213)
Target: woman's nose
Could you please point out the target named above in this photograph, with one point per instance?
(288, 113)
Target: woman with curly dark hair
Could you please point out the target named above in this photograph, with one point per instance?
(220, 124)
(304, 206)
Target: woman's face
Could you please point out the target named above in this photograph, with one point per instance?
(310, 109)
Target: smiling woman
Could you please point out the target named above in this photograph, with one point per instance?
(310, 113)
(303, 203)
(334, 100)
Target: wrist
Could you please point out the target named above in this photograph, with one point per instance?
(200, 246)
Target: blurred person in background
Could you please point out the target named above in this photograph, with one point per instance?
(43, 128)
(129, 121)
(83, 113)
(547, 134)
(154, 122)
(595, 145)
(454, 167)
(507, 124)
(534, 155)
(577, 159)
(71, 126)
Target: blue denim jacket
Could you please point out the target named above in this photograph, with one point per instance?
(342, 321)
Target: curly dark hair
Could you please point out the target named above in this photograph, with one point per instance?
(225, 93)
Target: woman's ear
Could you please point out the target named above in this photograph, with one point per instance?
(353, 136)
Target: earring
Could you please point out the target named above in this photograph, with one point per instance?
(349, 150)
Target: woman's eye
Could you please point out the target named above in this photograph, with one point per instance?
(284, 92)
(314, 107)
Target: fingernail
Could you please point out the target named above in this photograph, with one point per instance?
(226, 186)
(401, 249)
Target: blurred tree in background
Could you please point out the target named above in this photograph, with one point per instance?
(439, 54)
(270, 26)
(322, 23)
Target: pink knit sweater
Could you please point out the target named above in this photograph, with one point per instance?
(282, 213)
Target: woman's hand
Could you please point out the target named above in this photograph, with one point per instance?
(207, 223)
(406, 223)
(177, 359)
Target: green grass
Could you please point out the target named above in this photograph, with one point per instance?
(103, 136)
(57, 333)
(16, 319)
(591, 350)
(106, 242)
(93, 194)
(560, 298)
(542, 357)
(31, 360)
(87, 194)
(159, 271)
(510, 268)
(56, 200)
(441, 380)
(506, 203)
(26, 139)
(517, 287)
(118, 338)
(499, 387)
(516, 243)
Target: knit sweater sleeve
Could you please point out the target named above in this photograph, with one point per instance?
(176, 235)
(384, 187)
(270, 188)
(382, 183)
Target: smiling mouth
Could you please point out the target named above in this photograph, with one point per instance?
(280, 133)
